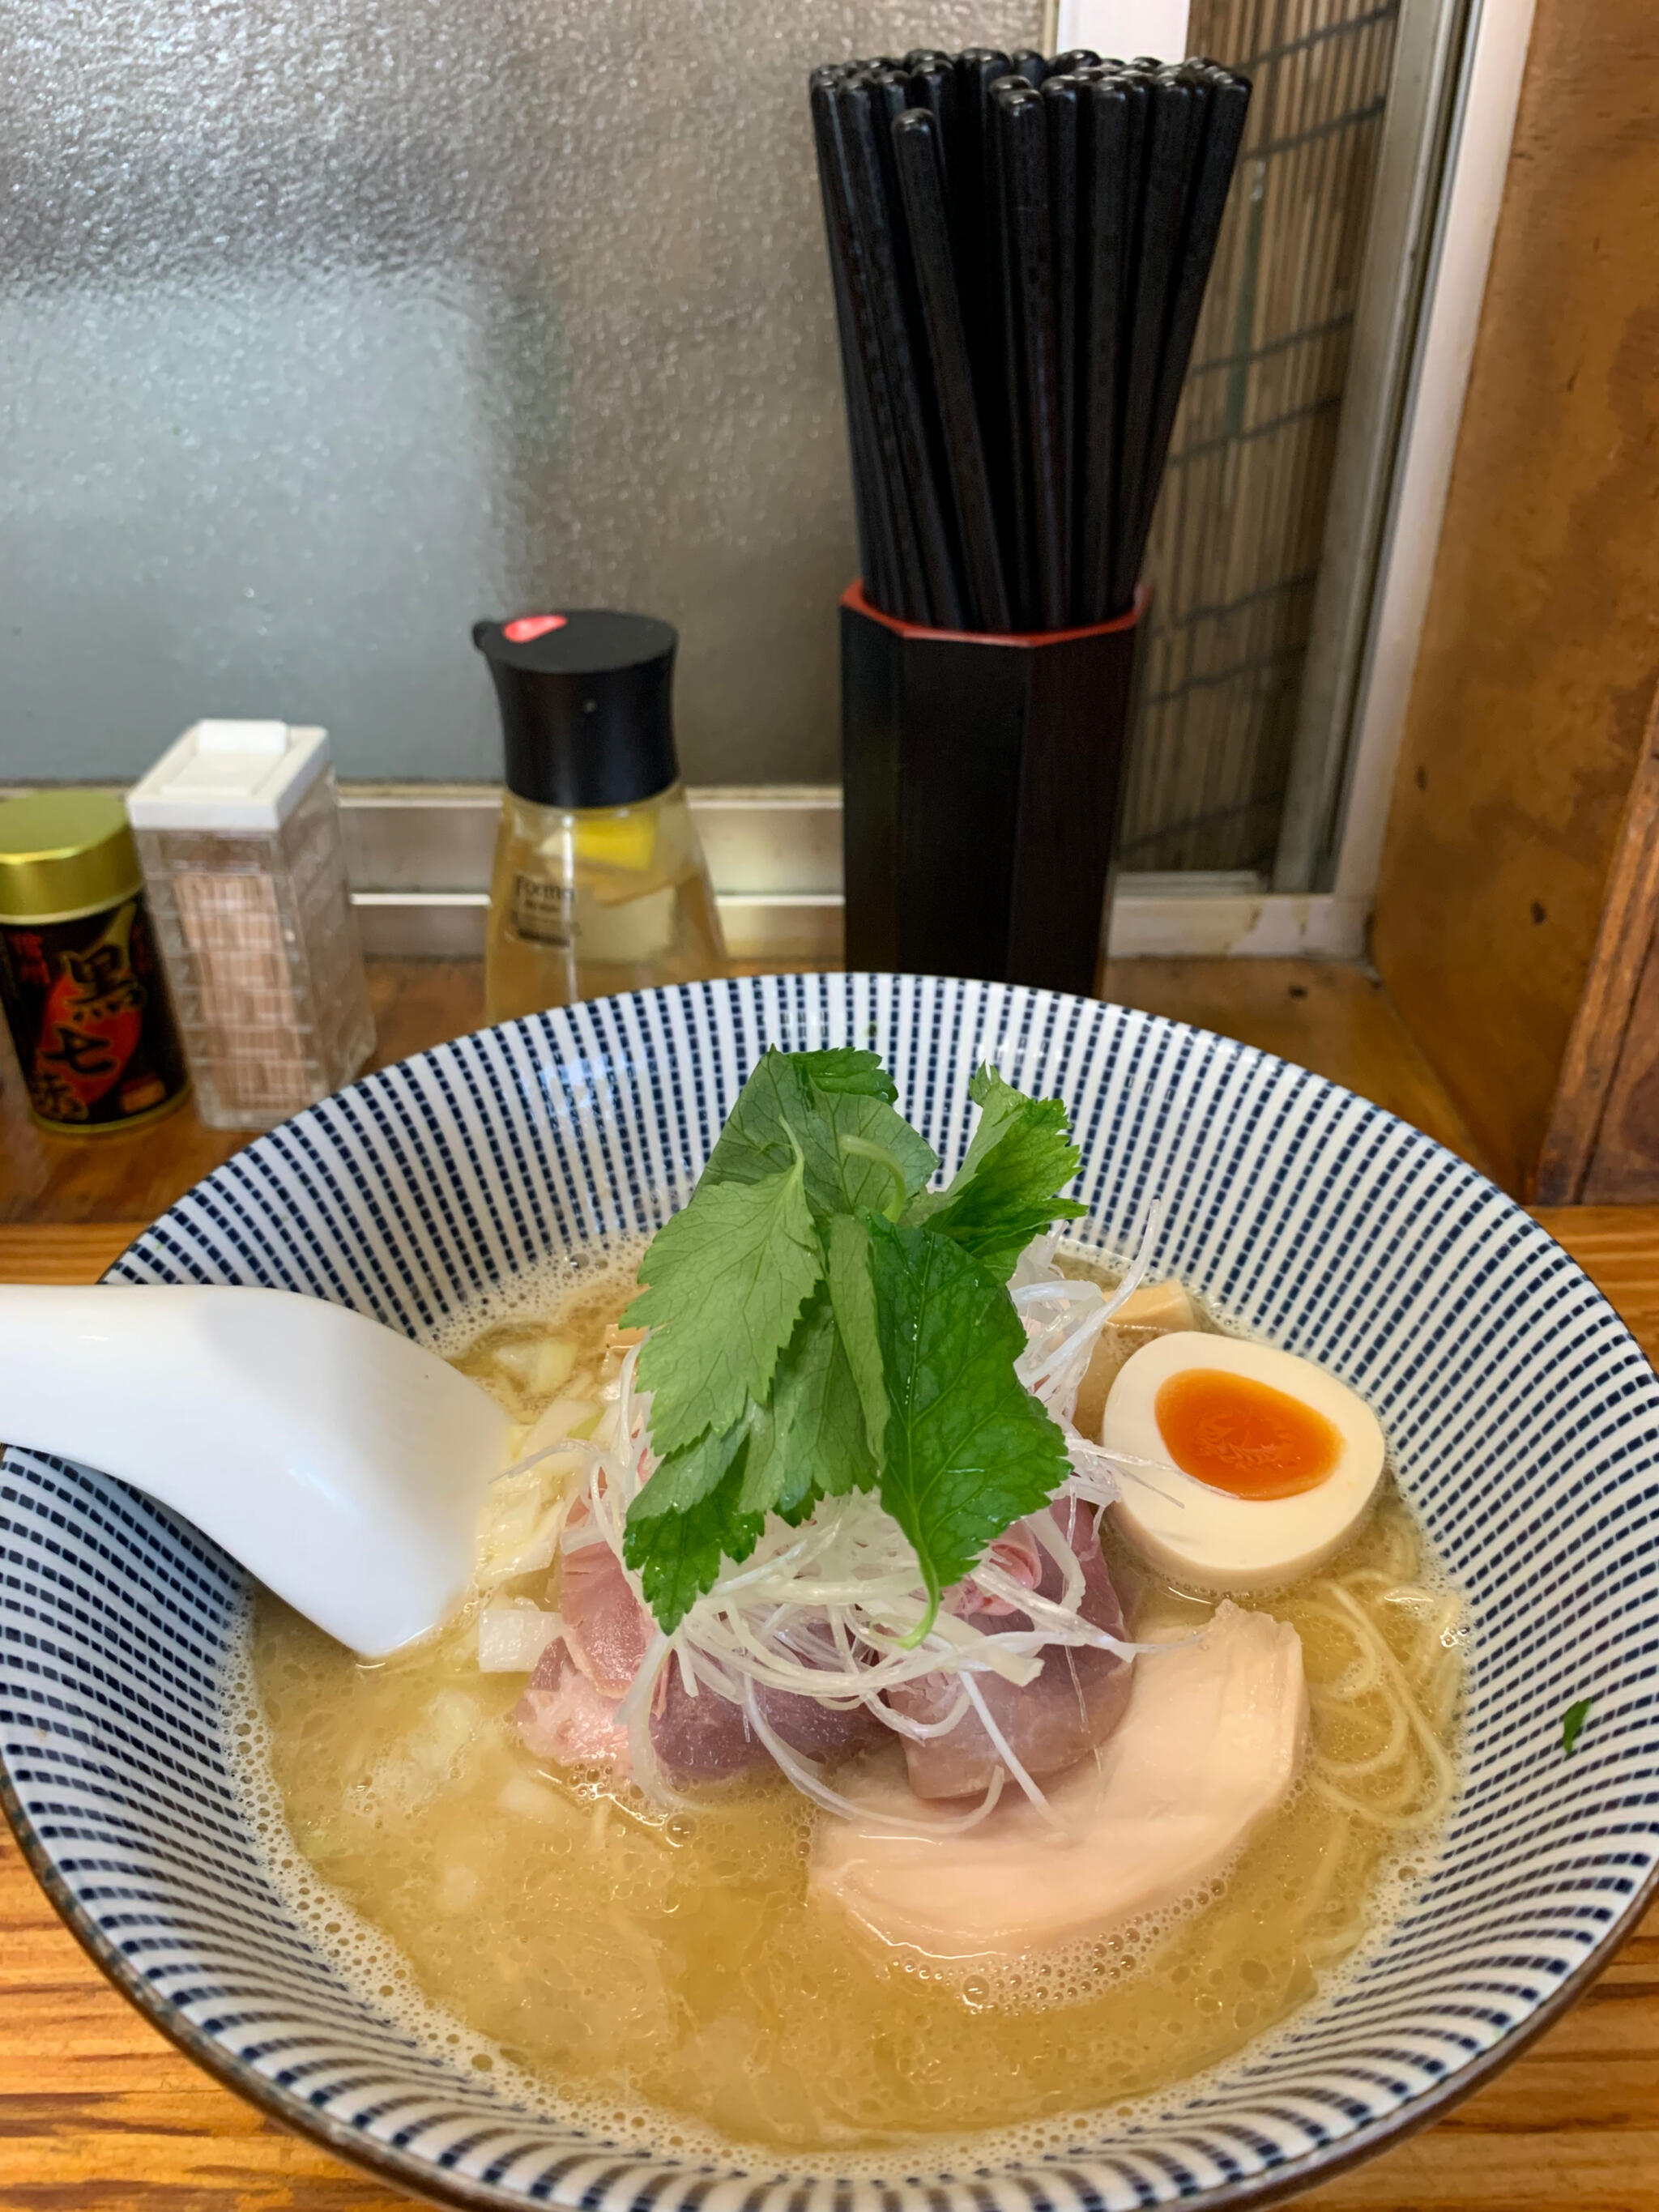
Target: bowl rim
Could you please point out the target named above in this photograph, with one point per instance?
(447, 2188)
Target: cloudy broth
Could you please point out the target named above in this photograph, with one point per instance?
(675, 1971)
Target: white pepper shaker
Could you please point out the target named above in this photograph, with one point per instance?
(237, 827)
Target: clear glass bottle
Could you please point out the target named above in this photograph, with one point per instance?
(600, 884)
(585, 901)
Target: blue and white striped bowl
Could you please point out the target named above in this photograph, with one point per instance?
(1523, 1420)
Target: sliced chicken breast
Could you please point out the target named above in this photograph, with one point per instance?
(1209, 1748)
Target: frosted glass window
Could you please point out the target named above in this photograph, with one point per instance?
(326, 329)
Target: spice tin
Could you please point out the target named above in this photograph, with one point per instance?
(85, 999)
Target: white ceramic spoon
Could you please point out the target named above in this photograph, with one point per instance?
(341, 1464)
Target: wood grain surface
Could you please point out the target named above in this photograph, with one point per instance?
(1331, 1016)
(1624, 1167)
(1540, 650)
(1601, 1141)
(98, 2114)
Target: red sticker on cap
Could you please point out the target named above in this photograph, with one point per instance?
(528, 628)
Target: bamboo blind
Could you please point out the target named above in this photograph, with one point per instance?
(1235, 544)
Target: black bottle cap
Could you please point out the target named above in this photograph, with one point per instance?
(587, 709)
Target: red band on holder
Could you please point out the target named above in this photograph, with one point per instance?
(524, 630)
(853, 599)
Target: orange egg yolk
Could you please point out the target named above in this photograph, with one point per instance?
(1243, 1436)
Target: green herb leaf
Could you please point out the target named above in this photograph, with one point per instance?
(853, 1297)
(847, 1070)
(1572, 1725)
(820, 1412)
(809, 1442)
(812, 1441)
(819, 1102)
(727, 1277)
(967, 1449)
(1006, 1191)
(687, 1519)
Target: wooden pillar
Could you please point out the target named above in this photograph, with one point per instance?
(1541, 655)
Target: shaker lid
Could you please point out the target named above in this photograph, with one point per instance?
(229, 775)
(587, 701)
(64, 853)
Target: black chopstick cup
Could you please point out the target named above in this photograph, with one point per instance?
(983, 779)
(1018, 256)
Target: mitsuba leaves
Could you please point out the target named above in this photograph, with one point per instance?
(1006, 1190)
(853, 1300)
(967, 1449)
(726, 1278)
(817, 1417)
(688, 1518)
(709, 1499)
(845, 1069)
(835, 1109)
(817, 1325)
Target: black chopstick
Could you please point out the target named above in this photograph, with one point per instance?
(1101, 198)
(1021, 130)
(888, 88)
(878, 561)
(977, 231)
(940, 599)
(934, 86)
(1023, 62)
(919, 155)
(1167, 135)
(905, 586)
(1062, 102)
(1210, 175)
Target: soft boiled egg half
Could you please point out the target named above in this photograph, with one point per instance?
(1254, 1466)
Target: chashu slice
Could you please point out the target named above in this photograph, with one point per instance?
(1210, 1746)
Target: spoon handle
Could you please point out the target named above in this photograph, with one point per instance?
(339, 1461)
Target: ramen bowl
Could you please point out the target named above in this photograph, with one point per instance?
(1521, 1415)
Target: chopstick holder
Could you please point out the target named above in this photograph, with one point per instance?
(983, 779)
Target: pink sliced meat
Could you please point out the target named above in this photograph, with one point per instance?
(704, 1738)
(1049, 1723)
(1020, 1557)
(697, 1739)
(568, 1711)
(608, 1631)
(700, 1738)
(563, 1717)
(819, 1731)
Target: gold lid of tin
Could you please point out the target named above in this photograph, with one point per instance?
(64, 853)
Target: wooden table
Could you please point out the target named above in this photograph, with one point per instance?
(99, 2114)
